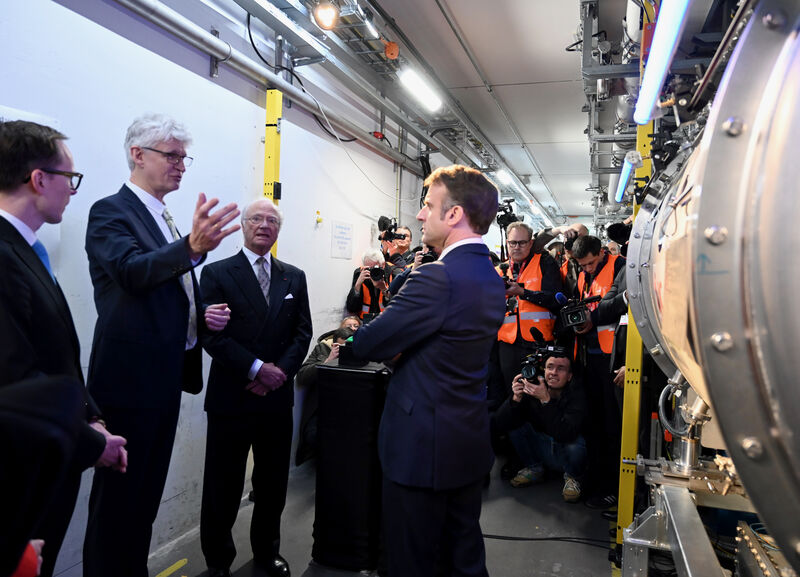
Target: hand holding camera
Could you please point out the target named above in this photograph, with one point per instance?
(537, 389)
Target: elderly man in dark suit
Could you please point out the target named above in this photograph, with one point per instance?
(250, 395)
(434, 434)
(145, 345)
(37, 335)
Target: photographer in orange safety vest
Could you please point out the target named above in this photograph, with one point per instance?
(595, 343)
(532, 281)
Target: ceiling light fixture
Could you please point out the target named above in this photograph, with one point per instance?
(669, 28)
(633, 159)
(326, 14)
(419, 89)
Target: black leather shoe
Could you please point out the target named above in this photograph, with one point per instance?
(219, 572)
(275, 567)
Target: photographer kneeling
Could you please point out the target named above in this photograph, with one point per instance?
(544, 418)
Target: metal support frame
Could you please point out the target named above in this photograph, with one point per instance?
(631, 406)
(671, 524)
(272, 150)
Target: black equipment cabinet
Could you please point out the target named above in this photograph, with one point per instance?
(347, 522)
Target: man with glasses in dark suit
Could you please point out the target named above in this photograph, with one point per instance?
(37, 335)
(145, 347)
(250, 391)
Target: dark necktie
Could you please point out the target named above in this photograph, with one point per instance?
(263, 276)
(188, 286)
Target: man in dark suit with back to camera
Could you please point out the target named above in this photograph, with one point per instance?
(145, 347)
(434, 434)
(250, 393)
(37, 335)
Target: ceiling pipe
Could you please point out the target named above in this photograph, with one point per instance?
(191, 33)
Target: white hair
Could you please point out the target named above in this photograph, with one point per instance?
(372, 254)
(249, 205)
(150, 129)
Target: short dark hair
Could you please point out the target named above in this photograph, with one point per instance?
(342, 333)
(25, 146)
(561, 356)
(586, 245)
(469, 189)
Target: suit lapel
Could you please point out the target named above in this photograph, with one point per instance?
(143, 214)
(34, 264)
(244, 277)
(278, 287)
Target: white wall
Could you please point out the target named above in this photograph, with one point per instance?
(94, 79)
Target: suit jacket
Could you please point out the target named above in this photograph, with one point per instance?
(278, 334)
(139, 357)
(434, 432)
(37, 335)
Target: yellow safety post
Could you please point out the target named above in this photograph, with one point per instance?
(272, 150)
(633, 356)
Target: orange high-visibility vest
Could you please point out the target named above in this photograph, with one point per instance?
(601, 284)
(527, 315)
(366, 300)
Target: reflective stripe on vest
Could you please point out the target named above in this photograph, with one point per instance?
(601, 284)
(527, 314)
(366, 300)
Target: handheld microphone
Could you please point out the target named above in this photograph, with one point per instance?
(561, 299)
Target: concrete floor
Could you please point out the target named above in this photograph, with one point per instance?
(534, 512)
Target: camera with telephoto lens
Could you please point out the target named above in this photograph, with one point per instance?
(505, 214)
(533, 365)
(377, 273)
(388, 228)
(575, 313)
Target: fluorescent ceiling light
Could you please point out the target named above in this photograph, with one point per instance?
(669, 28)
(417, 87)
(632, 160)
(504, 177)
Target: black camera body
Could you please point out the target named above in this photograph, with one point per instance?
(388, 228)
(575, 313)
(533, 365)
(377, 273)
(505, 214)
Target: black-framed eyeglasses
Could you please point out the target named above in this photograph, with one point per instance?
(516, 243)
(74, 177)
(172, 157)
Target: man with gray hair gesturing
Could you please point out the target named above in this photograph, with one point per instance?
(145, 347)
(250, 393)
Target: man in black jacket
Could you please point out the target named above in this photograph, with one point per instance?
(544, 420)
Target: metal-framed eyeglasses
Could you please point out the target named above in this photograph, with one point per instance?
(256, 220)
(172, 157)
(74, 177)
(517, 243)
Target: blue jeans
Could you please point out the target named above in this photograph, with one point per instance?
(539, 451)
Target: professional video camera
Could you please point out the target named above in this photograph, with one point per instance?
(533, 365)
(505, 214)
(575, 312)
(388, 228)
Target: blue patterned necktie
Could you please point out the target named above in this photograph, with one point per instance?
(41, 252)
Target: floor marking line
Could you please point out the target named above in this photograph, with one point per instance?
(172, 568)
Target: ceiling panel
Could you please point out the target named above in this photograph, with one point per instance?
(570, 189)
(546, 112)
(562, 157)
(481, 108)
